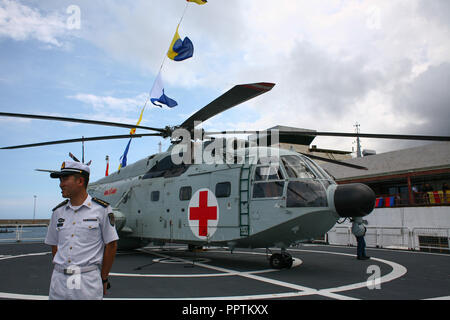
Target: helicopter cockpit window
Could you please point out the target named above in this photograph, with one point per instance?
(268, 189)
(319, 171)
(264, 173)
(296, 168)
(322, 174)
(268, 182)
(306, 193)
(165, 168)
(267, 160)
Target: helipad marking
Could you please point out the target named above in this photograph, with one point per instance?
(303, 289)
(174, 261)
(439, 298)
(166, 258)
(397, 271)
(25, 255)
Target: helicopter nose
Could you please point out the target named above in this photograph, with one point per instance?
(354, 200)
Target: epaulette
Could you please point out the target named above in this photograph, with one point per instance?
(104, 204)
(61, 204)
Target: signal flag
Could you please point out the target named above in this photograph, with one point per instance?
(180, 50)
(123, 158)
(158, 96)
(133, 131)
(200, 2)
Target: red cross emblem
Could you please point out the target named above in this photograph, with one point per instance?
(203, 213)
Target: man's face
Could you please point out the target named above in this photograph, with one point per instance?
(70, 186)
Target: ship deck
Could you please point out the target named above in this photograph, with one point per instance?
(320, 272)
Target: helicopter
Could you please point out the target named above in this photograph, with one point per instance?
(232, 193)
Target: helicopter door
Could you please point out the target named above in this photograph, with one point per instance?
(135, 202)
(177, 193)
(149, 206)
(226, 190)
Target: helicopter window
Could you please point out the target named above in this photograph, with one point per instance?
(296, 168)
(267, 160)
(264, 173)
(318, 169)
(185, 193)
(223, 189)
(306, 193)
(165, 168)
(155, 195)
(268, 189)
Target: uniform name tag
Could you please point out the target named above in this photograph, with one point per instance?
(89, 219)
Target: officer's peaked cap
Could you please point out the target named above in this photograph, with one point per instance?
(71, 167)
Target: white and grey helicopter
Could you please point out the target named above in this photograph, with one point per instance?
(251, 195)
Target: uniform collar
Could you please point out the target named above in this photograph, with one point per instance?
(87, 203)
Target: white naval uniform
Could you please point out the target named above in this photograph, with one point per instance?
(80, 234)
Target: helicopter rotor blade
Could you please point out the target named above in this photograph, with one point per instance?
(384, 136)
(236, 95)
(341, 163)
(77, 120)
(125, 136)
(45, 170)
(293, 134)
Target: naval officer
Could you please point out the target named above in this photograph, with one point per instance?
(82, 236)
(359, 231)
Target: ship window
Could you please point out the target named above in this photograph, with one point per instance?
(185, 193)
(296, 168)
(155, 196)
(223, 189)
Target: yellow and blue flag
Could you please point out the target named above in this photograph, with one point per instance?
(123, 158)
(180, 50)
(158, 96)
(133, 131)
(198, 1)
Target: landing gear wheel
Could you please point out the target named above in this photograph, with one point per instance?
(287, 258)
(281, 260)
(192, 248)
(276, 261)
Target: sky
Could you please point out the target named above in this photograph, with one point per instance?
(382, 63)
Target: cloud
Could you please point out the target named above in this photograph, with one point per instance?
(427, 99)
(20, 22)
(437, 10)
(333, 62)
(111, 104)
(114, 109)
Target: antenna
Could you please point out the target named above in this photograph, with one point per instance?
(82, 150)
(358, 142)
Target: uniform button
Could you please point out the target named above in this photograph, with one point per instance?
(70, 248)
(72, 235)
(70, 261)
(74, 223)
